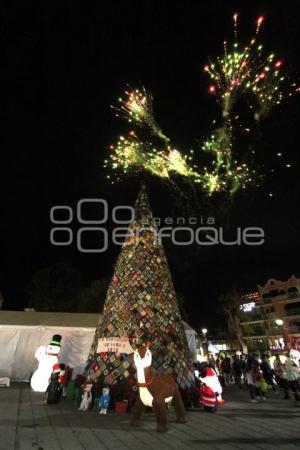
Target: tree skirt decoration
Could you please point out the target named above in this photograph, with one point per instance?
(140, 307)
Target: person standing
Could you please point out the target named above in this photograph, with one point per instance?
(280, 376)
(251, 384)
(226, 370)
(268, 372)
(259, 381)
(292, 378)
(237, 368)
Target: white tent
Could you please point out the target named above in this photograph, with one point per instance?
(22, 332)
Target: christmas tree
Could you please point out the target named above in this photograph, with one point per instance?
(141, 306)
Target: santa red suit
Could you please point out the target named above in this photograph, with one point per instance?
(211, 390)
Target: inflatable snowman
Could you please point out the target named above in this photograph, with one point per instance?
(47, 357)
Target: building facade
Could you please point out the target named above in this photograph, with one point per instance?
(270, 317)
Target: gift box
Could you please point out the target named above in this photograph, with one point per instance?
(71, 390)
(96, 404)
(121, 407)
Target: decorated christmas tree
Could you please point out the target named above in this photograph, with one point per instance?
(140, 307)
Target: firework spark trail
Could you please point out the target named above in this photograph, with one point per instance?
(137, 107)
(226, 173)
(258, 24)
(235, 18)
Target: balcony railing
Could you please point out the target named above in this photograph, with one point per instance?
(280, 297)
(262, 317)
(294, 329)
(293, 312)
(256, 332)
(252, 318)
(265, 301)
(274, 332)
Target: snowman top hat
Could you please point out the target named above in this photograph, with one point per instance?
(54, 347)
(56, 338)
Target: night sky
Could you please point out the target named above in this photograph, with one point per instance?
(65, 64)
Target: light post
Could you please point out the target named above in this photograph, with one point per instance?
(279, 323)
(204, 343)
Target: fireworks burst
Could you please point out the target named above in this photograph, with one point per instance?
(137, 108)
(133, 154)
(242, 71)
(226, 173)
(247, 69)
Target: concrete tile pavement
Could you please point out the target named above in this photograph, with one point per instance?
(25, 423)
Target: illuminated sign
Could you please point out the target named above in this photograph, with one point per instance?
(247, 306)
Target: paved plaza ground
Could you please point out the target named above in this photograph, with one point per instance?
(25, 423)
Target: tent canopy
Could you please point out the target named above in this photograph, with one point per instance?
(22, 332)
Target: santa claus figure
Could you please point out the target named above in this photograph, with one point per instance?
(211, 390)
(47, 357)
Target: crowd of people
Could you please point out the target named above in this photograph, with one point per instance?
(259, 374)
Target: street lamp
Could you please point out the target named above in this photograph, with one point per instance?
(204, 343)
(280, 322)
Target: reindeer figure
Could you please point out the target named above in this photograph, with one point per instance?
(155, 391)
